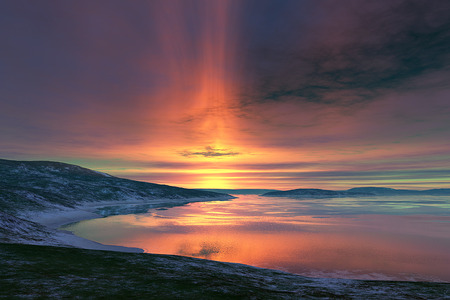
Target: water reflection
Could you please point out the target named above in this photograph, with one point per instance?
(366, 238)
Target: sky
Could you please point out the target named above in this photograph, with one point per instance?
(231, 93)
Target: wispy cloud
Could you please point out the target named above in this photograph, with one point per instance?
(209, 152)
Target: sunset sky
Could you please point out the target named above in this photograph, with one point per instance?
(231, 93)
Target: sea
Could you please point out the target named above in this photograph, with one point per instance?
(403, 238)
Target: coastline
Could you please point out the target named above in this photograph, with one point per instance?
(54, 219)
(98, 271)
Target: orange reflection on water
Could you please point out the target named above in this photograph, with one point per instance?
(345, 246)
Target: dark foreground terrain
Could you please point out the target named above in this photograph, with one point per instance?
(29, 271)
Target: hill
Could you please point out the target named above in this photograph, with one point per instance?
(38, 185)
(356, 192)
(31, 189)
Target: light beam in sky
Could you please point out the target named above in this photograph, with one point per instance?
(201, 70)
(240, 94)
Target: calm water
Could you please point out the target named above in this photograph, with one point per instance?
(395, 238)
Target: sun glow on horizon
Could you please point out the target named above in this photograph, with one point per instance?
(214, 182)
(232, 94)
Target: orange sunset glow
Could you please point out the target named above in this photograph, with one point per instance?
(232, 94)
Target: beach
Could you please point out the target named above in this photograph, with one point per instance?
(53, 219)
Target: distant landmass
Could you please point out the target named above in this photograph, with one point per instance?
(240, 191)
(357, 192)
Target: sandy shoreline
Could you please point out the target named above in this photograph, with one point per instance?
(53, 219)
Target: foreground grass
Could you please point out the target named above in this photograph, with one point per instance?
(52, 272)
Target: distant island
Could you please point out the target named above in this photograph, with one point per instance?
(357, 192)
